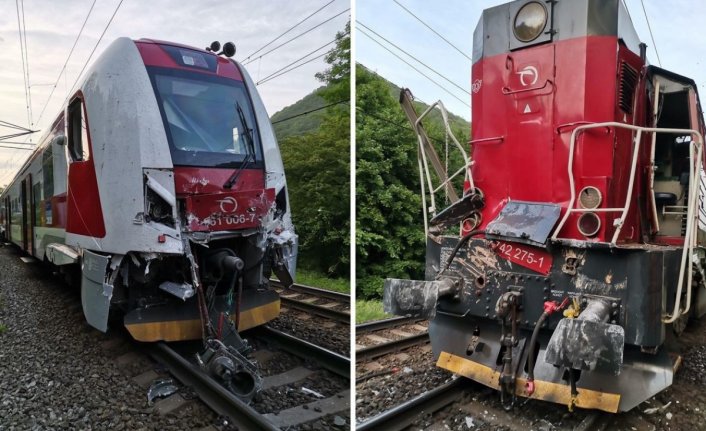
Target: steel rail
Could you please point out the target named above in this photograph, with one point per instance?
(332, 361)
(377, 325)
(323, 293)
(372, 352)
(329, 313)
(208, 390)
(406, 414)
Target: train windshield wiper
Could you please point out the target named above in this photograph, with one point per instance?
(249, 149)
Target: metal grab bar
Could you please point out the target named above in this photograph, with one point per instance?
(508, 91)
(424, 173)
(690, 234)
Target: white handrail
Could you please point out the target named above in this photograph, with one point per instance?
(424, 172)
(690, 234)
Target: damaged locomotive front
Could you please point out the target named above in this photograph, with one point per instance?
(580, 245)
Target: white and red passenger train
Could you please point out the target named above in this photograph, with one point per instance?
(161, 184)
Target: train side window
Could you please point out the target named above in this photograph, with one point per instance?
(78, 132)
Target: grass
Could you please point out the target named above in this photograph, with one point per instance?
(317, 279)
(366, 311)
(3, 328)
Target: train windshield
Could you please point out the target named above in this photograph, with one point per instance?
(209, 120)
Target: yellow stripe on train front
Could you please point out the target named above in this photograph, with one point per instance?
(547, 391)
(182, 330)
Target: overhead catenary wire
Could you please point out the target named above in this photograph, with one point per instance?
(284, 70)
(94, 48)
(301, 114)
(291, 69)
(68, 57)
(415, 58)
(24, 72)
(434, 31)
(29, 86)
(16, 148)
(296, 37)
(288, 30)
(297, 60)
(642, 2)
(413, 67)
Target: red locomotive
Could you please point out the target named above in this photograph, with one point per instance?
(581, 246)
(161, 184)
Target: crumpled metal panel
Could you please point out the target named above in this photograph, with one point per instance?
(412, 297)
(587, 345)
(525, 222)
(95, 292)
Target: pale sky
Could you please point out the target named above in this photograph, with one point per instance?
(677, 26)
(52, 27)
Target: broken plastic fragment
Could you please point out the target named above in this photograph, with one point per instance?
(182, 291)
(469, 422)
(310, 392)
(160, 388)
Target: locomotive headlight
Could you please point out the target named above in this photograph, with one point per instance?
(590, 198)
(589, 224)
(530, 21)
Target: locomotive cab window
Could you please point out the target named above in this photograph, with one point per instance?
(78, 132)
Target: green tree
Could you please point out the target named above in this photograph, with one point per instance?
(389, 224)
(318, 173)
(389, 234)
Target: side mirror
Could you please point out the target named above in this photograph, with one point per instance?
(59, 140)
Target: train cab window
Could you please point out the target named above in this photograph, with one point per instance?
(78, 132)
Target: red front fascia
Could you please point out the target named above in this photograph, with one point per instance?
(192, 180)
(228, 210)
(524, 123)
(210, 207)
(153, 55)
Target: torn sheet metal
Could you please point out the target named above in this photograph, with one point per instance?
(61, 254)
(415, 298)
(182, 291)
(525, 222)
(160, 388)
(96, 292)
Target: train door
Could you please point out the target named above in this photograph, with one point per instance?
(27, 211)
(674, 105)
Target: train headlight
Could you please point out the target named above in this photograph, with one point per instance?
(590, 198)
(530, 21)
(589, 224)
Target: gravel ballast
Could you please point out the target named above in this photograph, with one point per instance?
(54, 374)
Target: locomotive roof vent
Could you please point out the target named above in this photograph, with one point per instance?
(228, 48)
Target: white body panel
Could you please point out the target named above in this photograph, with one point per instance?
(127, 135)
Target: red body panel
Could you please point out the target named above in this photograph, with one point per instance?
(229, 210)
(211, 207)
(533, 115)
(85, 216)
(192, 180)
(84, 212)
(154, 55)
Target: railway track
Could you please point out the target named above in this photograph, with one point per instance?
(320, 302)
(391, 340)
(406, 414)
(452, 395)
(246, 417)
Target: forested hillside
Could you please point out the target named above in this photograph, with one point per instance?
(389, 232)
(294, 119)
(316, 160)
